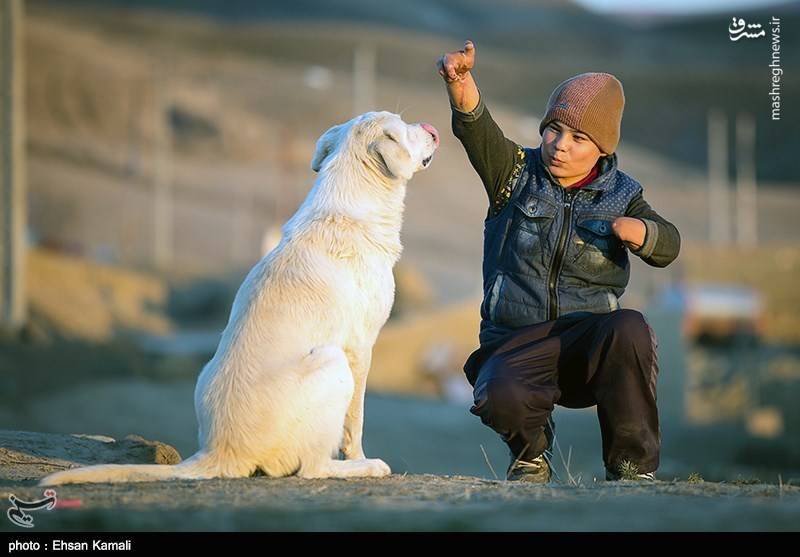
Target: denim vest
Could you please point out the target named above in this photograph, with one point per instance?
(551, 252)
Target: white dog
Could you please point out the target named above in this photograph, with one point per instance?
(285, 389)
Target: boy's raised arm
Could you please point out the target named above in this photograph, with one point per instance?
(494, 157)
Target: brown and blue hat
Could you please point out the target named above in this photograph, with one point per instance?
(589, 102)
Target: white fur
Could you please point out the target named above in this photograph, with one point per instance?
(285, 390)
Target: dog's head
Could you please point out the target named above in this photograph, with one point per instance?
(382, 142)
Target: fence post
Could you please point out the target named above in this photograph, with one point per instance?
(718, 198)
(163, 210)
(13, 195)
(746, 201)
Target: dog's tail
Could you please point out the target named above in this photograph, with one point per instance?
(199, 466)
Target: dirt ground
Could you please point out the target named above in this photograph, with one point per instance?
(418, 503)
(444, 462)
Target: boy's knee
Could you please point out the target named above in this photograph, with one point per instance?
(632, 326)
(627, 321)
(509, 404)
(498, 400)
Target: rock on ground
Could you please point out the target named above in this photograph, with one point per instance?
(28, 455)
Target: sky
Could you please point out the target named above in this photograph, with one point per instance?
(674, 7)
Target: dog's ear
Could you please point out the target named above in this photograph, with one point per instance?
(325, 145)
(392, 159)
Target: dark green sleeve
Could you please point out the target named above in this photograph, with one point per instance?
(662, 241)
(497, 160)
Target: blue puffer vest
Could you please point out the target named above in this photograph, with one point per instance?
(551, 252)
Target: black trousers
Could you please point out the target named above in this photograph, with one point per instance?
(608, 360)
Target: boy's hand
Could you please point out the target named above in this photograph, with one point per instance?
(453, 66)
(630, 230)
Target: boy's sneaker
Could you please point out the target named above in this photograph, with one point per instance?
(537, 470)
(534, 471)
(644, 477)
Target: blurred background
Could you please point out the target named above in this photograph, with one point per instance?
(152, 150)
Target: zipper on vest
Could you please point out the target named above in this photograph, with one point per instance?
(555, 269)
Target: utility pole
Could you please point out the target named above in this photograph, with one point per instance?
(13, 198)
(241, 250)
(746, 205)
(163, 210)
(364, 58)
(718, 202)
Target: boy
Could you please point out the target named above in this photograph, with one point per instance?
(561, 220)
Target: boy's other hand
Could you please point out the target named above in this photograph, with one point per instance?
(630, 230)
(453, 66)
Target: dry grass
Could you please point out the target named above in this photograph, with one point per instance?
(628, 470)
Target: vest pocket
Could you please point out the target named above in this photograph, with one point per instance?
(493, 296)
(533, 210)
(533, 218)
(599, 250)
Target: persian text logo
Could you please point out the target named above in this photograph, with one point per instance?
(738, 29)
(17, 514)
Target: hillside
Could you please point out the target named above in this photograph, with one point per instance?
(674, 69)
(122, 102)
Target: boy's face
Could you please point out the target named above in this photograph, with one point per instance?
(568, 153)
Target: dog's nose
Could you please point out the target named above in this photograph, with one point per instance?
(431, 130)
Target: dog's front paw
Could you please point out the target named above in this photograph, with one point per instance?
(378, 468)
(353, 454)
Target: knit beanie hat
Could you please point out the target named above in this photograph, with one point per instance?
(591, 103)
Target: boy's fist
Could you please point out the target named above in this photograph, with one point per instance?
(453, 66)
(630, 230)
